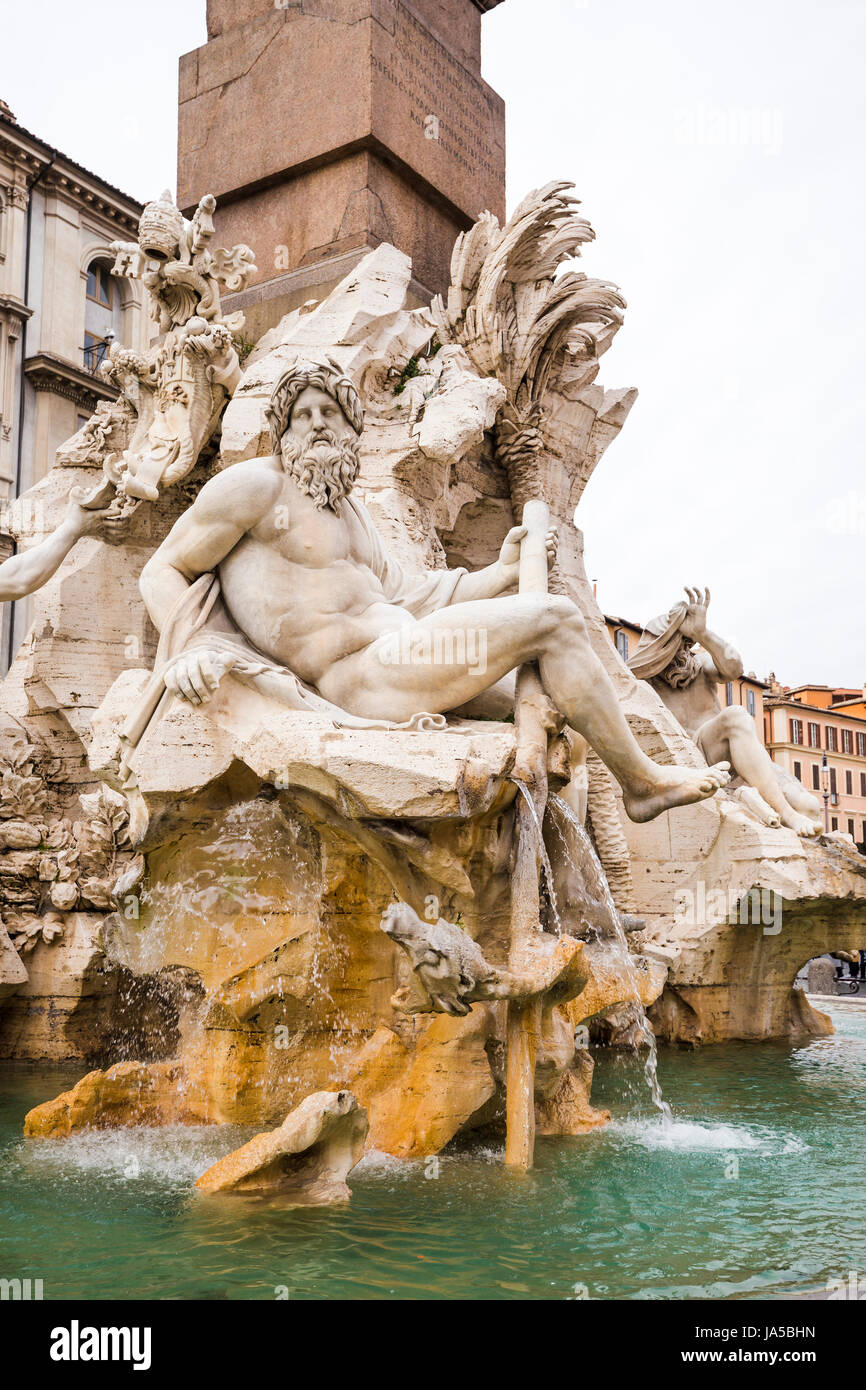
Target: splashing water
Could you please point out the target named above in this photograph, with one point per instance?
(589, 867)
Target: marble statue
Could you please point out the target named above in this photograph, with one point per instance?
(24, 573)
(684, 662)
(306, 587)
(170, 397)
(182, 383)
(451, 972)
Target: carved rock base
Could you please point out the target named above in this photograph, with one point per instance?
(306, 1160)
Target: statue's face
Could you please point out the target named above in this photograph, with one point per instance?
(315, 414)
(319, 448)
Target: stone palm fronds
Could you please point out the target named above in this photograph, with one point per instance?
(513, 314)
(506, 305)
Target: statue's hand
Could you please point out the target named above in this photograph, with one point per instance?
(196, 674)
(509, 555)
(552, 543)
(694, 624)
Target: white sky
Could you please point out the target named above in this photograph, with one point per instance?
(718, 151)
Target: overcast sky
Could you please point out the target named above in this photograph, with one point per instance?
(718, 151)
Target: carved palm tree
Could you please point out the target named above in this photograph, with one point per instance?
(515, 315)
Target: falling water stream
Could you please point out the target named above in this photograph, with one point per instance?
(588, 867)
(598, 887)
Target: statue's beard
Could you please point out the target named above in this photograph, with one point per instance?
(324, 468)
(682, 670)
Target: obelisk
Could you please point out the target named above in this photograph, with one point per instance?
(325, 127)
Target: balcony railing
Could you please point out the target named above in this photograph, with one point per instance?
(95, 354)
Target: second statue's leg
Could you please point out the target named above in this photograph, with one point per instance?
(732, 732)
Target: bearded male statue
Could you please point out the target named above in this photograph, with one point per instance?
(276, 572)
(685, 662)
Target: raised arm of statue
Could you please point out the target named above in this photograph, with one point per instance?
(725, 659)
(25, 573)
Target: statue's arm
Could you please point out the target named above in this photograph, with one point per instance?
(725, 660)
(25, 573)
(504, 573)
(226, 508)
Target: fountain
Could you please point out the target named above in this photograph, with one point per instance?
(259, 891)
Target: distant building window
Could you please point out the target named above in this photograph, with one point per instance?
(847, 741)
(814, 735)
(796, 731)
(834, 822)
(863, 783)
(729, 692)
(622, 644)
(750, 702)
(851, 829)
(861, 745)
(100, 287)
(798, 772)
(830, 736)
(849, 784)
(816, 777)
(834, 794)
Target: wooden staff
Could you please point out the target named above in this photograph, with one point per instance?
(524, 1018)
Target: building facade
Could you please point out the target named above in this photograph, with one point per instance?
(818, 733)
(60, 308)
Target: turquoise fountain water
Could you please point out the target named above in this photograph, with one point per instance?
(746, 1193)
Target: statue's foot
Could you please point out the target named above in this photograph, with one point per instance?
(675, 786)
(754, 802)
(803, 825)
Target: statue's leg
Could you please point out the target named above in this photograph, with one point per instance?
(442, 661)
(732, 735)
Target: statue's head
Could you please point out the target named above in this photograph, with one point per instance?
(683, 669)
(316, 418)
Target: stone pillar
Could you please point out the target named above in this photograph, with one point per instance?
(13, 314)
(325, 127)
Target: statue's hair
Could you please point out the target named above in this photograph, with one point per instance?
(326, 376)
(684, 669)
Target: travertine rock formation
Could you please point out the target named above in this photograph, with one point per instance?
(305, 1161)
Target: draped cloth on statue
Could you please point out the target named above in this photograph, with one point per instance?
(200, 618)
(659, 644)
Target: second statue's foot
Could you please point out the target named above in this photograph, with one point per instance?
(676, 786)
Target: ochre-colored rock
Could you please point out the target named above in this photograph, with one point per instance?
(129, 1093)
(307, 1159)
(569, 1111)
(417, 1101)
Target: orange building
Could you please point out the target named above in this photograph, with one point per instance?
(818, 733)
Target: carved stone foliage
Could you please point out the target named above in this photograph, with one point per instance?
(522, 322)
(53, 863)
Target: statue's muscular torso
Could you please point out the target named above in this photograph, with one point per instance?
(692, 705)
(299, 581)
